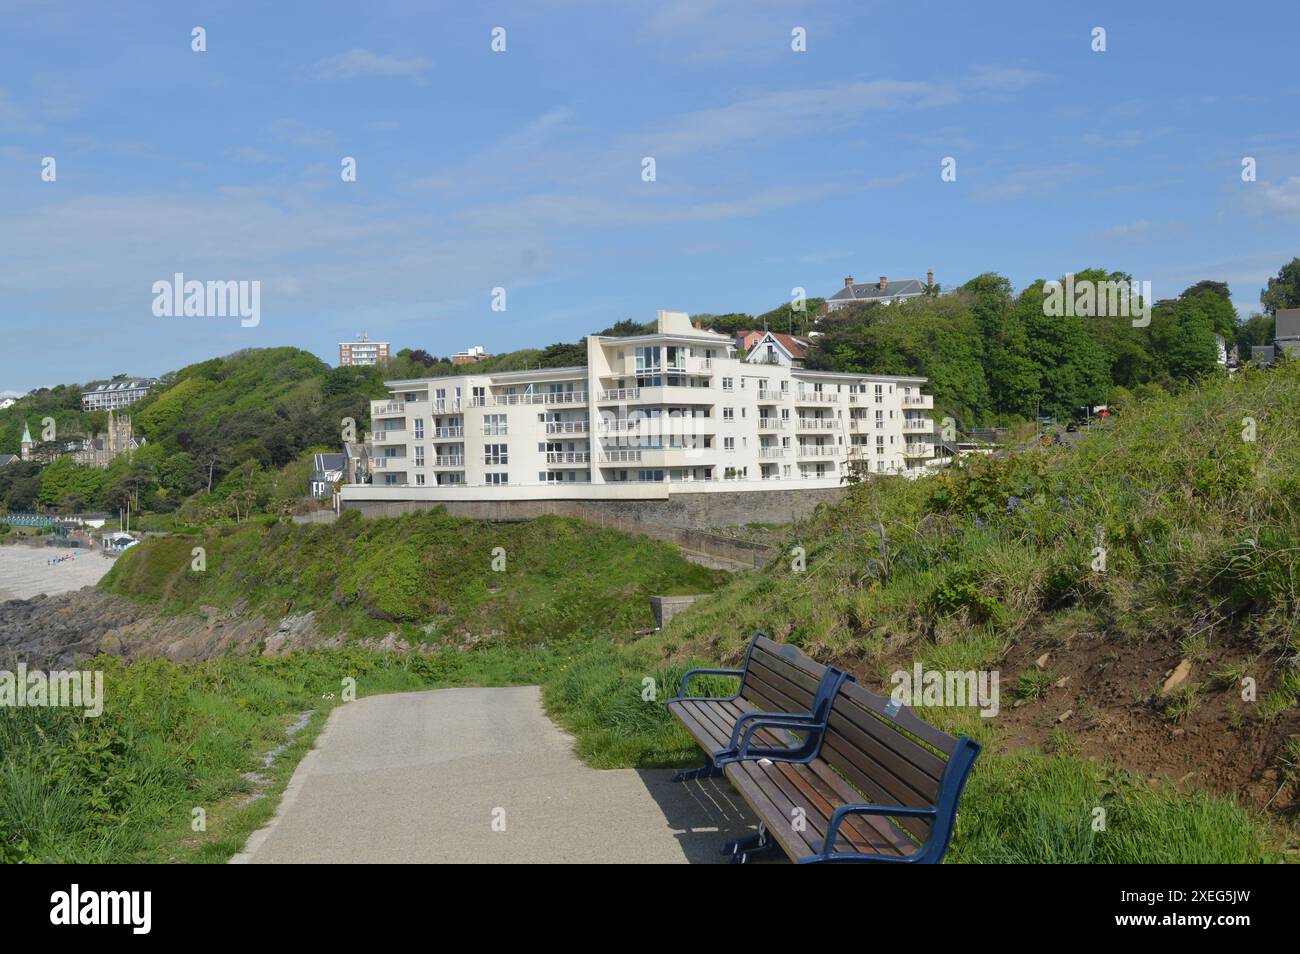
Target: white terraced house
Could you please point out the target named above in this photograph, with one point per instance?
(648, 416)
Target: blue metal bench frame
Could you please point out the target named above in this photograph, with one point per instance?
(943, 815)
(812, 723)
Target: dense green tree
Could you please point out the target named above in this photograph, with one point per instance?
(1283, 291)
(69, 486)
(1074, 371)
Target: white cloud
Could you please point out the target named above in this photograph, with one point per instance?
(359, 62)
(1278, 198)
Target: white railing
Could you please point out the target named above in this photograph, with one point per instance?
(621, 425)
(817, 397)
(621, 457)
(771, 395)
(918, 400)
(771, 452)
(391, 407)
(568, 457)
(816, 424)
(918, 424)
(621, 394)
(453, 460)
(567, 427)
(448, 432)
(390, 436)
(771, 423)
(918, 449)
(445, 406)
(817, 450)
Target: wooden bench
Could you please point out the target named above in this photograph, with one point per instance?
(778, 684)
(881, 785)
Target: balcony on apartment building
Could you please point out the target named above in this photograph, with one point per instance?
(919, 401)
(768, 452)
(818, 450)
(568, 457)
(816, 397)
(917, 449)
(923, 424)
(547, 398)
(449, 461)
(567, 427)
(771, 397)
(772, 423)
(393, 435)
(446, 432)
(387, 409)
(816, 424)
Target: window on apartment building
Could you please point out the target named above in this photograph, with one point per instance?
(728, 443)
(494, 425)
(880, 418)
(495, 454)
(728, 413)
(390, 478)
(419, 428)
(728, 384)
(650, 476)
(419, 457)
(880, 393)
(419, 480)
(495, 480)
(647, 359)
(479, 396)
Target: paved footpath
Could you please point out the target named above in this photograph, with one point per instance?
(422, 776)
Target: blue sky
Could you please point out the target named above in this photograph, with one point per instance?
(522, 169)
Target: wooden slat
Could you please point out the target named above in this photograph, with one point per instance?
(866, 755)
(905, 719)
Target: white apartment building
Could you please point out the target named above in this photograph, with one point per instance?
(114, 394)
(676, 411)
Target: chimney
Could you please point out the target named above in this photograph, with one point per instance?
(883, 281)
(848, 281)
(929, 277)
(699, 324)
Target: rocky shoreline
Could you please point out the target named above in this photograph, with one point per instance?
(57, 631)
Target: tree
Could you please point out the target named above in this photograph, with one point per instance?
(1284, 290)
(1073, 369)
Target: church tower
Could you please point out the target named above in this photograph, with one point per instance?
(25, 447)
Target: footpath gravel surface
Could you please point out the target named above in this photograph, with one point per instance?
(482, 775)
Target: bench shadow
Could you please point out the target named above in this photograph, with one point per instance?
(704, 814)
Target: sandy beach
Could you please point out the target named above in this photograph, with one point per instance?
(25, 571)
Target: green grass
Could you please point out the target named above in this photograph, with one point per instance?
(429, 576)
(175, 737)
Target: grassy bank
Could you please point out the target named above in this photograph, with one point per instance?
(431, 577)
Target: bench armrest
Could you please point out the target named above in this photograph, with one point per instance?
(691, 674)
(828, 852)
(741, 734)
